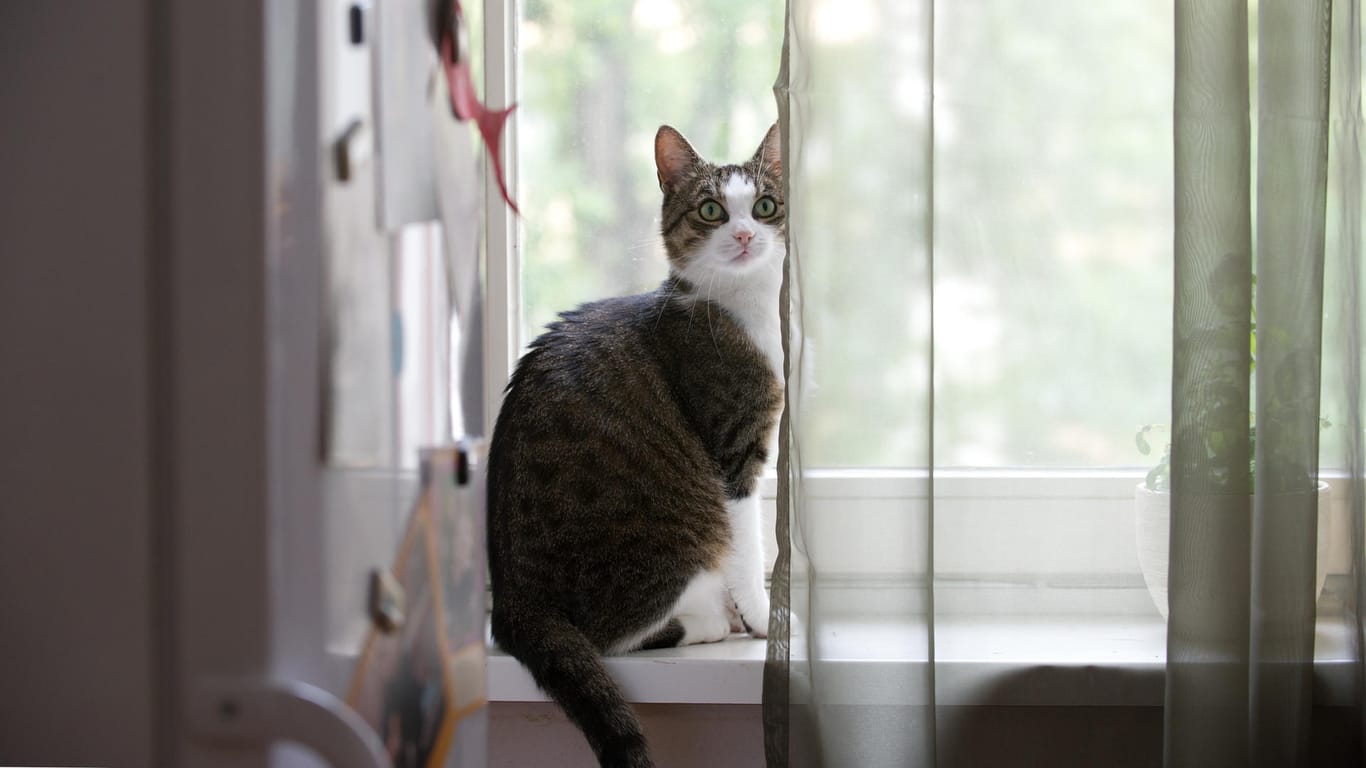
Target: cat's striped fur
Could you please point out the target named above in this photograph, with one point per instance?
(623, 510)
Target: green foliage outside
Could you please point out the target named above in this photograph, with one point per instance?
(598, 78)
(1049, 183)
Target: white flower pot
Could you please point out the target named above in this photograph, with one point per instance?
(1153, 519)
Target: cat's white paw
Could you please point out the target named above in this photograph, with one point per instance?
(744, 568)
(737, 624)
(703, 628)
(752, 605)
(757, 618)
(704, 609)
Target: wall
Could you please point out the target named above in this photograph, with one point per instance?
(535, 734)
(75, 655)
(682, 736)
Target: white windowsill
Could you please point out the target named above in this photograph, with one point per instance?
(729, 672)
(1011, 661)
(1040, 601)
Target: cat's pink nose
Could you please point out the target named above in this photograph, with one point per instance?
(744, 237)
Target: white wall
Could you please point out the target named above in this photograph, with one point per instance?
(76, 659)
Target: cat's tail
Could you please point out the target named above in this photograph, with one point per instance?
(568, 667)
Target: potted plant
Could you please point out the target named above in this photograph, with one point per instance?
(1152, 497)
(1152, 518)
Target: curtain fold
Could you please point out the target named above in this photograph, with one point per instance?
(1241, 634)
(1266, 352)
(1205, 717)
(1292, 175)
(777, 693)
(1347, 280)
(821, 709)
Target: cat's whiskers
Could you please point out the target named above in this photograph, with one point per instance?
(674, 280)
(715, 274)
(649, 243)
(692, 309)
(773, 267)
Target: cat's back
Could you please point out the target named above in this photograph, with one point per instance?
(592, 455)
(598, 356)
(593, 405)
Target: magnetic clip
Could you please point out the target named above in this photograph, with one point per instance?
(387, 601)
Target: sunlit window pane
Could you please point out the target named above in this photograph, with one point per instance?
(598, 78)
(1047, 190)
(1027, 156)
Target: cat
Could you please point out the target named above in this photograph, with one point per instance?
(623, 471)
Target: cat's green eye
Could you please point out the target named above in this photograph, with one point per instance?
(711, 211)
(765, 207)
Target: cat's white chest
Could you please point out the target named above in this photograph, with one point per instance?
(767, 335)
(755, 308)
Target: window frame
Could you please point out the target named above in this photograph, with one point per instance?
(502, 228)
(1020, 505)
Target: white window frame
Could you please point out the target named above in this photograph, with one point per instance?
(1052, 533)
(1060, 592)
(503, 234)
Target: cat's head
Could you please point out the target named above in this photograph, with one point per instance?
(721, 220)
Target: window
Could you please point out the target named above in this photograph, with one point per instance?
(596, 81)
(1051, 180)
(1050, 186)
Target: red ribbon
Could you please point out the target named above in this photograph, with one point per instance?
(465, 104)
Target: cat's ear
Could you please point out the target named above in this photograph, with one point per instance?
(673, 156)
(770, 151)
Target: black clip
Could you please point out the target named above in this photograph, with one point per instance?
(462, 466)
(450, 22)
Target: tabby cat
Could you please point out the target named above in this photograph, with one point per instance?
(623, 500)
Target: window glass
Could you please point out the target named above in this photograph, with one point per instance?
(1048, 190)
(597, 79)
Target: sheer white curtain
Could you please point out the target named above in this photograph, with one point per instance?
(1018, 232)
(1267, 238)
(870, 245)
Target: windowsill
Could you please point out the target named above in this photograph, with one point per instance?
(1038, 588)
(1011, 661)
(729, 672)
